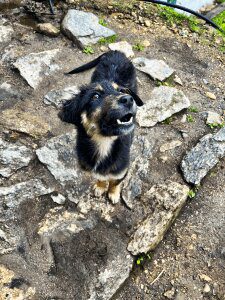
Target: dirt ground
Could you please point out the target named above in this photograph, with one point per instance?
(195, 245)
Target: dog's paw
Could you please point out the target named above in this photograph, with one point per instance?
(99, 190)
(114, 196)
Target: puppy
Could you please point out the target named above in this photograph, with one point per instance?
(104, 113)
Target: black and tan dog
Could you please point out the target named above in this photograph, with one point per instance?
(104, 114)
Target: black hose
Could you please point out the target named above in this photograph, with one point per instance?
(51, 6)
(214, 25)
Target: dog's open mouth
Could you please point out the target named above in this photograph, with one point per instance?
(125, 120)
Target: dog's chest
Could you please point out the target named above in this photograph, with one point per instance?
(103, 147)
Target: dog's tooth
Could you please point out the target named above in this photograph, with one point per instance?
(118, 121)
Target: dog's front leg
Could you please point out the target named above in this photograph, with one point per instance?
(114, 190)
(100, 188)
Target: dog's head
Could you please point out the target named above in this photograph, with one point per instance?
(103, 108)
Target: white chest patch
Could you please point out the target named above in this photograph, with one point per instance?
(103, 145)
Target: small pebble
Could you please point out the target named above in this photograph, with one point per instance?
(178, 80)
(206, 289)
(204, 277)
(146, 43)
(170, 294)
(147, 23)
(210, 95)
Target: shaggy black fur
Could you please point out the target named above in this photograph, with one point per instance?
(109, 104)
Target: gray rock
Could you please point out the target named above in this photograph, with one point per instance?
(157, 69)
(34, 66)
(56, 97)
(203, 157)
(214, 118)
(7, 92)
(124, 47)
(107, 264)
(167, 199)
(12, 196)
(13, 157)
(169, 101)
(110, 279)
(9, 239)
(26, 122)
(60, 158)
(6, 33)
(59, 199)
(58, 220)
(139, 168)
(84, 28)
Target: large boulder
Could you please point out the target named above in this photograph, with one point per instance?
(84, 28)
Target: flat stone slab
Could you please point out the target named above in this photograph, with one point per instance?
(6, 33)
(24, 122)
(56, 97)
(203, 157)
(168, 200)
(124, 47)
(13, 156)
(163, 103)
(142, 151)
(108, 264)
(84, 28)
(35, 66)
(12, 196)
(157, 69)
(59, 156)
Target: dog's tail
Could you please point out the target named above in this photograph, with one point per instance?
(87, 66)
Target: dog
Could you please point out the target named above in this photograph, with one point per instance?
(104, 114)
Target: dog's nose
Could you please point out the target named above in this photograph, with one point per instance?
(126, 100)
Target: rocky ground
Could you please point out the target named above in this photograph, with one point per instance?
(57, 241)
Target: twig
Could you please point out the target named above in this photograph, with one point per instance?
(160, 274)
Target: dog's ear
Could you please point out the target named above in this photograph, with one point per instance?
(137, 99)
(71, 110)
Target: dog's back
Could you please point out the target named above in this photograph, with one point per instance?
(116, 67)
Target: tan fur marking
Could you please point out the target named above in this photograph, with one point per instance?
(90, 126)
(114, 192)
(100, 188)
(99, 87)
(115, 85)
(103, 144)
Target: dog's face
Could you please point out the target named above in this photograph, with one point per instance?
(103, 108)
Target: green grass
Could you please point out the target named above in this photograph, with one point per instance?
(173, 17)
(216, 125)
(141, 259)
(220, 20)
(190, 119)
(139, 47)
(192, 193)
(102, 22)
(88, 50)
(168, 121)
(108, 40)
(193, 109)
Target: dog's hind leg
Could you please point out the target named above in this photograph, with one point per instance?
(114, 191)
(100, 188)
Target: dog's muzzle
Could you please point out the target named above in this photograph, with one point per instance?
(120, 121)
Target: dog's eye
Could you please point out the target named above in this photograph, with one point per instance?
(95, 97)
